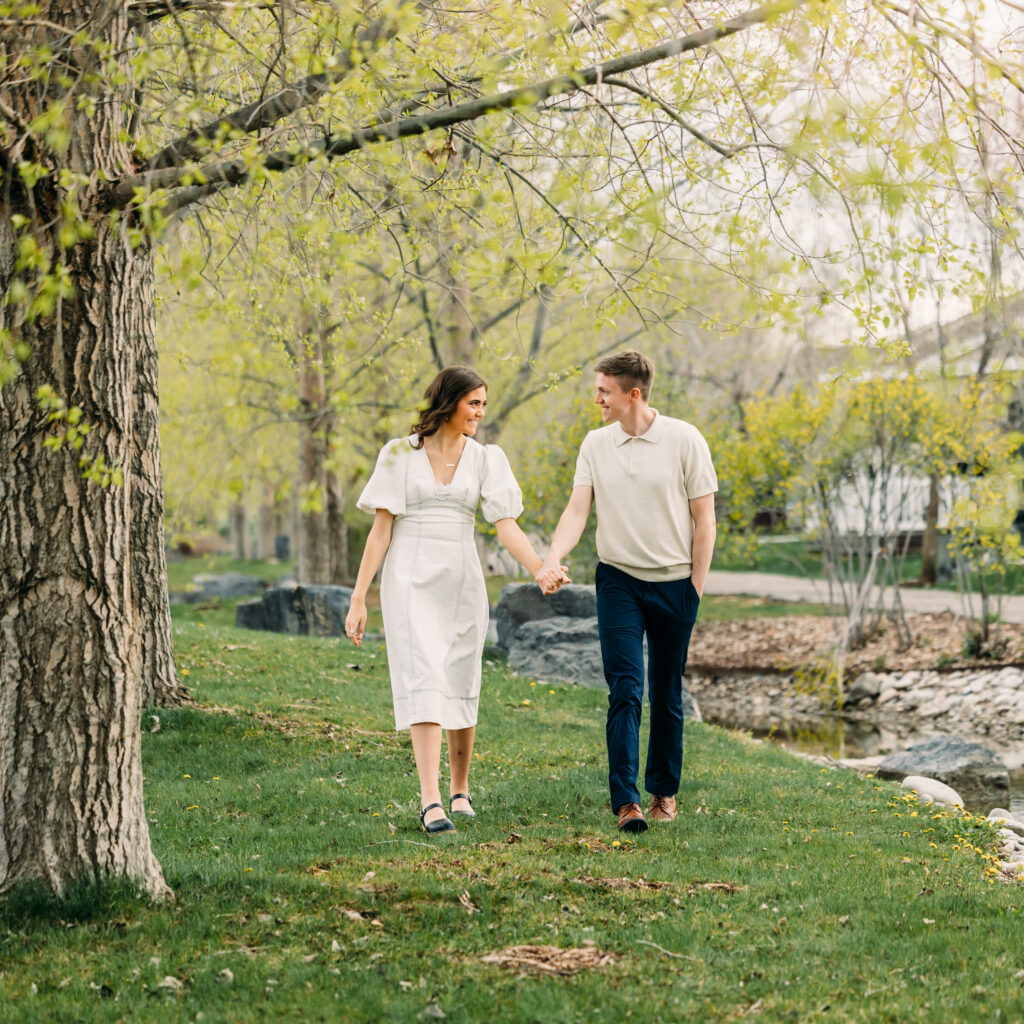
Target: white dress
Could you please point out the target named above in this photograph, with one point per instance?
(432, 588)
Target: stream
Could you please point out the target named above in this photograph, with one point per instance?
(839, 738)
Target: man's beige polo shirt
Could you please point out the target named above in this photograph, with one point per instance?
(642, 490)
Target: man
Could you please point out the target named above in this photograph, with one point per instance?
(653, 485)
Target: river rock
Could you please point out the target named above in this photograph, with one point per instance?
(866, 687)
(975, 772)
(569, 649)
(1006, 820)
(302, 609)
(225, 587)
(932, 791)
(524, 602)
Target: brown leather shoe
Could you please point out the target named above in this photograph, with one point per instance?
(631, 818)
(663, 808)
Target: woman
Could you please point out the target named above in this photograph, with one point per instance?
(423, 495)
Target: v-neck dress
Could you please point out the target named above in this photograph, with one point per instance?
(432, 590)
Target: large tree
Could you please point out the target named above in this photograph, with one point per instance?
(117, 117)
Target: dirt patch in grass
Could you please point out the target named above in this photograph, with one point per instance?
(550, 959)
(785, 644)
(622, 883)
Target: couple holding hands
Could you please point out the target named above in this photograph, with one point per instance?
(652, 483)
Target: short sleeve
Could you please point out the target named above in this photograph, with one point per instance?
(699, 477)
(500, 496)
(584, 474)
(386, 486)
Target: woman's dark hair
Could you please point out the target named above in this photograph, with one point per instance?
(443, 395)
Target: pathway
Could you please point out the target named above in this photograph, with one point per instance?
(801, 588)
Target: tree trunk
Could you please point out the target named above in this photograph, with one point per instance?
(930, 538)
(71, 630)
(270, 524)
(313, 558)
(238, 529)
(73, 604)
(336, 530)
(161, 686)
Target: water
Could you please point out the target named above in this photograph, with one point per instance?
(838, 738)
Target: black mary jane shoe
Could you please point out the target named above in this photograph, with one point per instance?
(462, 814)
(432, 828)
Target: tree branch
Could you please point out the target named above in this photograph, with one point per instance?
(234, 172)
(271, 109)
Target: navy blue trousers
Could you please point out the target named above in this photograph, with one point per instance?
(627, 608)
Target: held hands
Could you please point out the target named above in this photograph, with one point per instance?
(355, 621)
(551, 577)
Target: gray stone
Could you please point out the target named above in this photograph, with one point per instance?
(301, 609)
(866, 687)
(975, 772)
(523, 602)
(569, 649)
(225, 587)
(251, 614)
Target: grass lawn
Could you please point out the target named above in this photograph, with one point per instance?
(284, 813)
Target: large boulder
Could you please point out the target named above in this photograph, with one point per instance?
(302, 609)
(225, 587)
(975, 772)
(569, 649)
(523, 602)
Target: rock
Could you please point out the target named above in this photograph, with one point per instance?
(568, 649)
(251, 614)
(301, 609)
(225, 587)
(976, 773)
(1006, 820)
(933, 791)
(557, 648)
(523, 602)
(866, 687)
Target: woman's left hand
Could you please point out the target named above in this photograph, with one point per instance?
(355, 621)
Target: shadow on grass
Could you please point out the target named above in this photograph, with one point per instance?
(33, 905)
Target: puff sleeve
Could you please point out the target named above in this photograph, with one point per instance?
(386, 486)
(500, 496)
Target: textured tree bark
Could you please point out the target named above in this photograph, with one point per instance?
(161, 686)
(71, 639)
(72, 622)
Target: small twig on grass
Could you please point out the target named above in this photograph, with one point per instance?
(411, 842)
(668, 952)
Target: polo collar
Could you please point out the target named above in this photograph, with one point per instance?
(652, 433)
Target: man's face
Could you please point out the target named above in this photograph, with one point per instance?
(610, 396)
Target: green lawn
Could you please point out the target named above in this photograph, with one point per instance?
(283, 810)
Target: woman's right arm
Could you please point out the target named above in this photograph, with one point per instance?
(377, 544)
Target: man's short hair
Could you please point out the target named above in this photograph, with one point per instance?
(633, 369)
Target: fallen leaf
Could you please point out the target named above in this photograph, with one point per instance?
(432, 1012)
(227, 976)
(513, 837)
(467, 903)
(171, 983)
